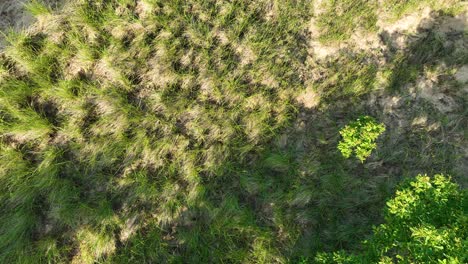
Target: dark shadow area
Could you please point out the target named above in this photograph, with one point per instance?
(425, 134)
(441, 39)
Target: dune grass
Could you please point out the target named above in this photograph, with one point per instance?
(341, 18)
(169, 131)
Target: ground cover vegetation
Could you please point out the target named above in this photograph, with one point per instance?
(424, 223)
(156, 131)
(359, 137)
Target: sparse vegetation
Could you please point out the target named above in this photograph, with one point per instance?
(158, 131)
(342, 17)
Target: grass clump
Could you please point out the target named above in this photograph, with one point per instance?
(341, 18)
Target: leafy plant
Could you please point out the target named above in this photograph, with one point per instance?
(425, 223)
(359, 137)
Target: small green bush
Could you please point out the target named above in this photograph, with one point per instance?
(426, 222)
(359, 137)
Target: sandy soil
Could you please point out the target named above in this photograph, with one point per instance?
(399, 30)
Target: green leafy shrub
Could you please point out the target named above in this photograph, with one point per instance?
(359, 137)
(426, 222)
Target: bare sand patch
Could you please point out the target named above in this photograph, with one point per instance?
(401, 32)
(309, 98)
(462, 74)
(428, 89)
(408, 24)
(316, 48)
(457, 23)
(246, 54)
